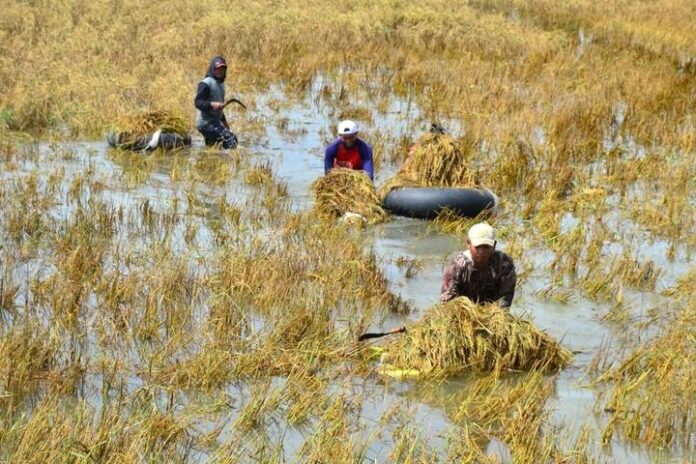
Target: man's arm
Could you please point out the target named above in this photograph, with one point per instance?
(202, 100)
(451, 282)
(508, 280)
(368, 165)
(330, 156)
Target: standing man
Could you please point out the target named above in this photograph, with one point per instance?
(210, 101)
(348, 151)
(480, 273)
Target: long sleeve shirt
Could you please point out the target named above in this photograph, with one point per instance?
(364, 149)
(493, 283)
(203, 99)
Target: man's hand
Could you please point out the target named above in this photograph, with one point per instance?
(217, 106)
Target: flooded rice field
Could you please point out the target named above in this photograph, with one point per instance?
(188, 306)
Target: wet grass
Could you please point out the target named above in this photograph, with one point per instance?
(124, 301)
(178, 308)
(650, 392)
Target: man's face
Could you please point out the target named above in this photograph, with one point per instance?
(220, 72)
(481, 254)
(348, 140)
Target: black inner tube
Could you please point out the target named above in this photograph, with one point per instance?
(428, 202)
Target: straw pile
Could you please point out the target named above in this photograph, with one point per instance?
(135, 131)
(142, 123)
(347, 191)
(460, 335)
(434, 161)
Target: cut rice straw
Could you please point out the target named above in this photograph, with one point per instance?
(145, 122)
(435, 160)
(347, 191)
(460, 335)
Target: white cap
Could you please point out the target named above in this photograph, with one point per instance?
(482, 234)
(347, 127)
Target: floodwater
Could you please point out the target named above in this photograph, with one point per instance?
(577, 323)
(298, 160)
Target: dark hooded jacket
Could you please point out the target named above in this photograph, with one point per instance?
(204, 95)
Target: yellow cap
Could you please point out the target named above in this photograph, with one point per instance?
(482, 234)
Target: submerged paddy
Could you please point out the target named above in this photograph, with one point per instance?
(190, 307)
(184, 306)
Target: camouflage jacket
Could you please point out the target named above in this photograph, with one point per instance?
(497, 282)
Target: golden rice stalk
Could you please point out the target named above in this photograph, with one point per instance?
(652, 390)
(397, 182)
(435, 160)
(347, 191)
(460, 335)
(139, 123)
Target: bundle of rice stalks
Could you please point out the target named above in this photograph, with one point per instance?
(145, 122)
(147, 130)
(347, 191)
(435, 160)
(460, 335)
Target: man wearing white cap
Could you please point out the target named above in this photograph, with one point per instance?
(480, 273)
(348, 151)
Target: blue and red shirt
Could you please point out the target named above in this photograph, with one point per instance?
(358, 157)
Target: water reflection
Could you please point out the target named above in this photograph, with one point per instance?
(294, 149)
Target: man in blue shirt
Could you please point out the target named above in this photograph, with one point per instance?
(348, 151)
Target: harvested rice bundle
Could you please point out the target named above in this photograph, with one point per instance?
(397, 182)
(145, 122)
(347, 191)
(460, 335)
(434, 161)
(147, 130)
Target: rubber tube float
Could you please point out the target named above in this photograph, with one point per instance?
(429, 202)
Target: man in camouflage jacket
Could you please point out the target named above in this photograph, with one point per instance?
(480, 273)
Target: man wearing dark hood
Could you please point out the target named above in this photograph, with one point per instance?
(210, 101)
